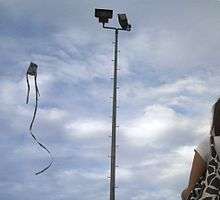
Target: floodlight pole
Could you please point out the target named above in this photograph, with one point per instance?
(114, 123)
(114, 115)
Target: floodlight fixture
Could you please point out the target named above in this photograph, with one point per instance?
(104, 15)
(123, 21)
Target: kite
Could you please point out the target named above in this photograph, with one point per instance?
(32, 71)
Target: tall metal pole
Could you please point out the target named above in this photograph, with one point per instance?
(114, 112)
(104, 15)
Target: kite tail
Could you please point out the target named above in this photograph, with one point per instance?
(36, 87)
(51, 158)
(31, 125)
(28, 91)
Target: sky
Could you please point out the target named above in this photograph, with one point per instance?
(169, 78)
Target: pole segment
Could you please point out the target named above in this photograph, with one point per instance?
(114, 112)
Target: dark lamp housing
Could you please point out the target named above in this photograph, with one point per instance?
(123, 21)
(104, 15)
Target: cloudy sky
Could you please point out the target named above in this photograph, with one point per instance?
(169, 79)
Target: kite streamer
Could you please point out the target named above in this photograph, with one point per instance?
(32, 71)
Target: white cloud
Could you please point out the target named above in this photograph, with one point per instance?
(189, 84)
(124, 174)
(53, 114)
(87, 129)
(157, 122)
(182, 88)
(10, 91)
(178, 164)
(85, 174)
(157, 195)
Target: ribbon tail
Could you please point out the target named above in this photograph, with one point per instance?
(28, 90)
